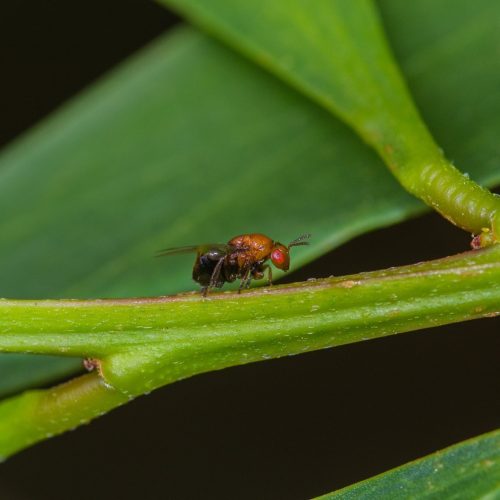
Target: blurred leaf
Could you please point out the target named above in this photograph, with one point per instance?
(159, 155)
(446, 49)
(335, 54)
(189, 143)
(467, 470)
(21, 370)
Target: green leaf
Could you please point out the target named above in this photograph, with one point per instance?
(466, 470)
(21, 370)
(336, 52)
(333, 51)
(153, 157)
(158, 154)
(142, 344)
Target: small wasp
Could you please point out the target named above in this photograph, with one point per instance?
(243, 257)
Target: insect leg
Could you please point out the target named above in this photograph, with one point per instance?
(214, 279)
(246, 279)
(269, 275)
(259, 272)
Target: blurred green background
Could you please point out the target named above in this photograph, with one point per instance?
(290, 428)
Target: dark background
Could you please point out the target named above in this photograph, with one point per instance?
(288, 428)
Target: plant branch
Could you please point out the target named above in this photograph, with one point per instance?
(37, 415)
(142, 344)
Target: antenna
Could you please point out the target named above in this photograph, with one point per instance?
(300, 240)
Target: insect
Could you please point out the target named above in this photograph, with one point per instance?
(243, 257)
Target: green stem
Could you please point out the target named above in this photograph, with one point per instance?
(37, 415)
(392, 125)
(420, 166)
(143, 344)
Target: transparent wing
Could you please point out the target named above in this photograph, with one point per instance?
(193, 248)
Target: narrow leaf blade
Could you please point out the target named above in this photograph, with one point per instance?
(466, 470)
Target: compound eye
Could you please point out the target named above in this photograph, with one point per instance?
(280, 259)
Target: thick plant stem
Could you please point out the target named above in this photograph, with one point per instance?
(142, 344)
(37, 415)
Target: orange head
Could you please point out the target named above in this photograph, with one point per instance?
(280, 254)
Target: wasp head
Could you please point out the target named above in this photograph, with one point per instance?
(280, 255)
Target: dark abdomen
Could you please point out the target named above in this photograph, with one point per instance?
(203, 270)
